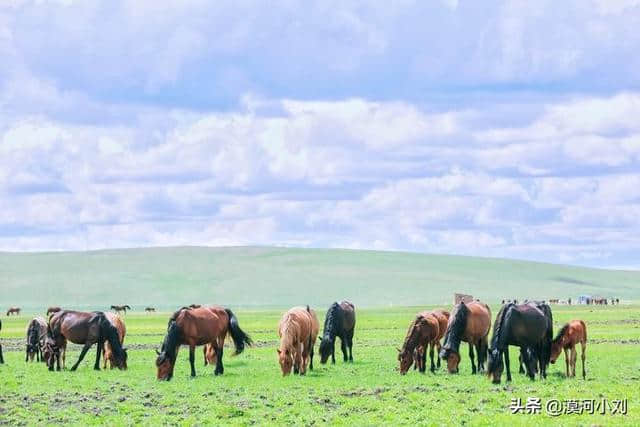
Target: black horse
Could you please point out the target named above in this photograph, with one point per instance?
(528, 326)
(36, 333)
(340, 322)
(1, 357)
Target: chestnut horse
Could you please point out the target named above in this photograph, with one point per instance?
(528, 326)
(210, 356)
(199, 326)
(339, 322)
(36, 334)
(82, 328)
(13, 310)
(419, 354)
(52, 310)
(117, 322)
(571, 333)
(469, 322)
(423, 331)
(298, 330)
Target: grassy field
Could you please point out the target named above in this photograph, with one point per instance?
(367, 392)
(277, 277)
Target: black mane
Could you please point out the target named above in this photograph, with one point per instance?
(499, 326)
(332, 328)
(456, 329)
(171, 340)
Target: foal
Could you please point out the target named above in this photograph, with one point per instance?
(571, 333)
(423, 331)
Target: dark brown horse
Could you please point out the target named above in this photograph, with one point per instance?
(199, 326)
(120, 308)
(150, 309)
(82, 328)
(298, 331)
(13, 310)
(117, 322)
(339, 322)
(36, 334)
(423, 332)
(53, 310)
(528, 326)
(571, 334)
(469, 322)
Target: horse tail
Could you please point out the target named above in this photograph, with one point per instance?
(240, 338)
(584, 328)
(110, 332)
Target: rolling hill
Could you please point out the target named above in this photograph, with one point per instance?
(280, 277)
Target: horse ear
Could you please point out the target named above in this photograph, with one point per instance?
(278, 350)
(157, 352)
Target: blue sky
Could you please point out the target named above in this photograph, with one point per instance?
(493, 128)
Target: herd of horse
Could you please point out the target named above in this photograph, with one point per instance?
(528, 326)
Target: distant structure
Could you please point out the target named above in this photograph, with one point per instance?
(584, 299)
(458, 298)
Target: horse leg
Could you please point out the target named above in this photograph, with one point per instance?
(82, 354)
(438, 348)
(480, 360)
(574, 356)
(219, 367)
(333, 353)
(99, 344)
(343, 347)
(473, 365)
(582, 356)
(566, 361)
(350, 344)
(431, 351)
(311, 357)
(506, 359)
(192, 359)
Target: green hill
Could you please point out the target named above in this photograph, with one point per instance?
(269, 277)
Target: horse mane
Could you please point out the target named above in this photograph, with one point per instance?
(171, 340)
(33, 332)
(409, 343)
(456, 328)
(111, 334)
(498, 327)
(286, 335)
(561, 333)
(331, 324)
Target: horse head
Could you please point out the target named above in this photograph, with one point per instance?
(165, 366)
(495, 365)
(285, 358)
(406, 359)
(453, 359)
(326, 349)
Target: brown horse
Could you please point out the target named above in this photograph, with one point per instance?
(13, 310)
(120, 308)
(52, 310)
(36, 334)
(423, 331)
(82, 328)
(117, 322)
(419, 354)
(469, 322)
(571, 333)
(199, 326)
(298, 330)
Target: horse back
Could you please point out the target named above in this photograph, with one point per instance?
(443, 321)
(202, 325)
(348, 315)
(117, 323)
(478, 321)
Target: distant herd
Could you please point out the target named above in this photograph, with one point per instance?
(528, 326)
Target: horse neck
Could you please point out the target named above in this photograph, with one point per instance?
(501, 332)
(172, 340)
(411, 340)
(455, 331)
(332, 323)
(289, 334)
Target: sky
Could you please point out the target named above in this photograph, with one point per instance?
(494, 128)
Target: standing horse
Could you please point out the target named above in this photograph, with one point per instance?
(423, 331)
(340, 322)
(120, 308)
(117, 322)
(298, 330)
(13, 310)
(571, 333)
(526, 325)
(199, 326)
(419, 355)
(469, 322)
(52, 310)
(150, 309)
(82, 328)
(36, 333)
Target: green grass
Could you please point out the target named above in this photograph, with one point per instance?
(367, 392)
(280, 277)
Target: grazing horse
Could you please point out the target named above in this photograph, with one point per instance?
(150, 309)
(82, 328)
(52, 310)
(340, 322)
(199, 326)
(36, 334)
(469, 322)
(120, 308)
(117, 322)
(1, 356)
(210, 355)
(526, 326)
(298, 330)
(419, 355)
(423, 331)
(13, 310)
(571, 333)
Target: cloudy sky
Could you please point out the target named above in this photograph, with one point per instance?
(492, 128)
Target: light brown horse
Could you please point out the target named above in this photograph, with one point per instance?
(199, 326)
(469, 322)
(210, 356)
(298, 330)
(571, 333)
(118, 323)
(13, 310)
(52, 310)
(82, 328)
(423, 332)
(36, 334)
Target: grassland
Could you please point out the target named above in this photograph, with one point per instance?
(279, 277)
(367, 392)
